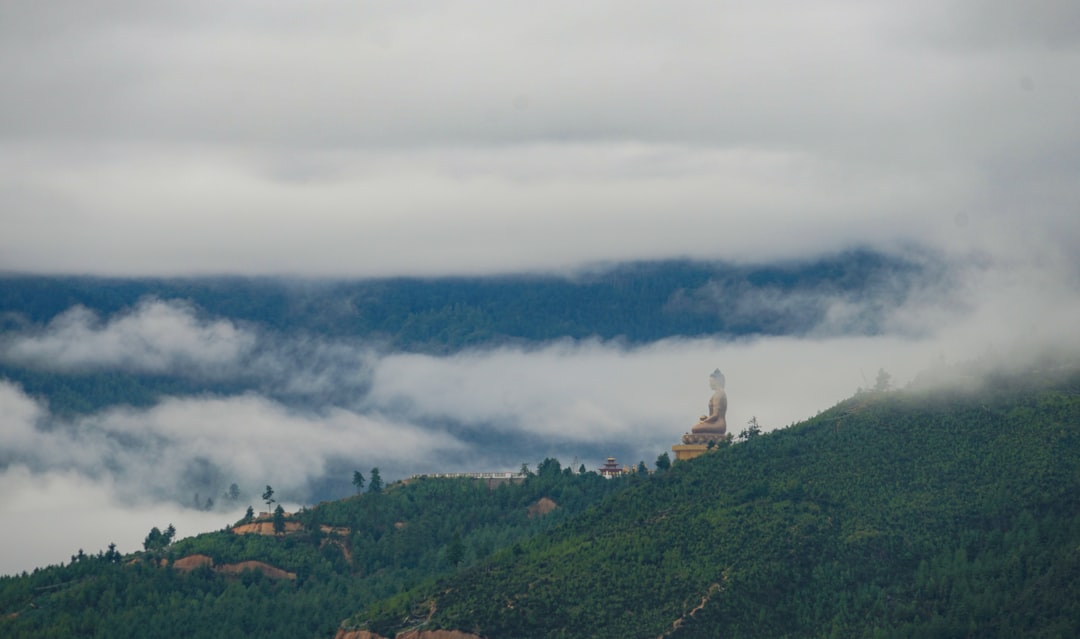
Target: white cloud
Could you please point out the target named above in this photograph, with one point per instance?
(49, 516)
(590, 392)
(154, 337)
(260, 441)
(595, 392)
(187, 445)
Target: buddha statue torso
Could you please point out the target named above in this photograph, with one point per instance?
(715, 422)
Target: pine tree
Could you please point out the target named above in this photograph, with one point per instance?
(268, 497)
(752, 430)
(455, 551)
(279, 520)
(663, 462)
(883, 381)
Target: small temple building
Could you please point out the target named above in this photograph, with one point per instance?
(711, 429)
(610, 469)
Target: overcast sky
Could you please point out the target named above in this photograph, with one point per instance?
(365, 139)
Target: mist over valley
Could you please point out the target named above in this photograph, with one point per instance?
(161, 394)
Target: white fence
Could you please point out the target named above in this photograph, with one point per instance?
(507, 476)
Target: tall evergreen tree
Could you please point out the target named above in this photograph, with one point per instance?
(753, 429)
(279, 520)
(268, 497)
(455, 551)
(663, 462)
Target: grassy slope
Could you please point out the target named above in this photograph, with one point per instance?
(888, 515)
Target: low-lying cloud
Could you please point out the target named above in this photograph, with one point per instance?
(192, 444)
(348, 406)
(173, 338)
(49, 516)
(154, 337)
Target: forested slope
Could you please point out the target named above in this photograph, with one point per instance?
(342, 555)
(894, 514)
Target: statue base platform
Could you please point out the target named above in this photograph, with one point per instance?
(697, 444)
(684, 452)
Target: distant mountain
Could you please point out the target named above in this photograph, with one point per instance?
(638, 302)
(937, 513)
(632, 303)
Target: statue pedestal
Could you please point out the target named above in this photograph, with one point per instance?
(697, 444)
(689, 451)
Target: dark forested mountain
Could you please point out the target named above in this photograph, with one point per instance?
(933, 513)
(636, 302)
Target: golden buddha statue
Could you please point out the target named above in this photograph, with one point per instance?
(711, 428)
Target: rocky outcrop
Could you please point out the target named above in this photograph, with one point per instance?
(344, 548)
(264, 528)
(542, 507)
(191, 562)
(267, 528)
(273, 572)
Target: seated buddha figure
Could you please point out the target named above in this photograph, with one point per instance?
(714, 423)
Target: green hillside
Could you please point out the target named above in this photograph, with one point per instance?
(332, 559)
(890, 515)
